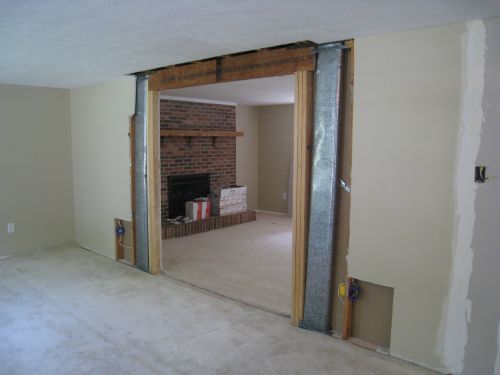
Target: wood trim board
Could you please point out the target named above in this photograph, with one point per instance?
(303, 119)
(131, 135)
(154, 178)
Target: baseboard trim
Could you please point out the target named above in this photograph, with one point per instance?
(272, 212)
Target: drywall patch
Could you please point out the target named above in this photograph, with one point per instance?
(456, 314)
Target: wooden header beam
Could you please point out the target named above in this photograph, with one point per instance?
(260, 64)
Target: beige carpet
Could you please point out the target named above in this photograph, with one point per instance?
(251, 262)
(69, 311)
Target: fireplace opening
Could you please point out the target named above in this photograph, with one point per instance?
(183, 188)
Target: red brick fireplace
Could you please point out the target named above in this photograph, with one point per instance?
(196, 155)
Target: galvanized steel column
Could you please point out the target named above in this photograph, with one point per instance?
(318, 292)
(141, 183)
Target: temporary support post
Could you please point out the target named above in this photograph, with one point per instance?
(317, 308)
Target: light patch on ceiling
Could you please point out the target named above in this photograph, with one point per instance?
(255, 92)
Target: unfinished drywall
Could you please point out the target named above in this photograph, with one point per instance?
(482, 352)
(36, 192)
(372, 315)
(457, 311)
(275, 153)
(101, 161)
(406, 114)
(247, 152)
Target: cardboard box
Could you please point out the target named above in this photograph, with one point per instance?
(230, 200)
(231, 209)
(232, 192)
(198, 209)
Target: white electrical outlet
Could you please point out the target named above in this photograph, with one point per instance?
(283, 196)
(10, 228)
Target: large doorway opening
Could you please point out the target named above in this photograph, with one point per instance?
(234, 236)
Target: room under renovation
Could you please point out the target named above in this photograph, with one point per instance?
(291, 189)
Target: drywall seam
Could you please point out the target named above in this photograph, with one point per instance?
(456, 314)
(497, 362)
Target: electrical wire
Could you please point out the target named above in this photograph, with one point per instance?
(120, 241)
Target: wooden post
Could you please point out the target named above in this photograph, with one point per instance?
(154, 190)
(301, 182)
(132, 181)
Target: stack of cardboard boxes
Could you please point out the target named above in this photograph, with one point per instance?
(230, 200)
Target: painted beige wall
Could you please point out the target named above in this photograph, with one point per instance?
(36, 190)
(101, 161)
(406, 115)
(275, 152)
(247, 152)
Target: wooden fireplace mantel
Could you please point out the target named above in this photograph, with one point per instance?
(199, 133)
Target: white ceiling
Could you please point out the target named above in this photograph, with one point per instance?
(262, 91)
(65, 43)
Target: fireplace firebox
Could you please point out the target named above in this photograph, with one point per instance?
(183, 188)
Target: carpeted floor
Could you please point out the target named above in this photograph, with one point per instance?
(69, 311)
(251, 262)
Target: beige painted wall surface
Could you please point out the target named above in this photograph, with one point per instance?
(36, 191)
(101, 161)
(275, 152)
(406, 116)
(247, 152)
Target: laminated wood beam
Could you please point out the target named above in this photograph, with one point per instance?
(195, 74)
(259, 64)
(267, 63)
